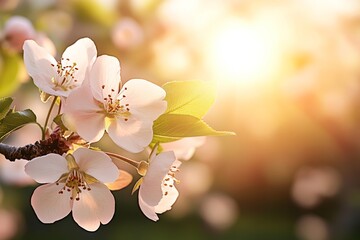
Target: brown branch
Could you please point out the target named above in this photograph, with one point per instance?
(54, 144)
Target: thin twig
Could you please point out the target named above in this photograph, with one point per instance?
(127, 160)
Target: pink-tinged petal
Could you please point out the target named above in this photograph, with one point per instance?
(38, 63)
(89, 126)
(83, 52)
(184, 149)
(46, 169)
(170, 194)
(149, 112)
(94, 207)
(97, 164)
(145, 99)
(147, 210)
(150, 190)
(105, 77)
(121, 182)
(131, 135)
(49, 205)
(83, 115)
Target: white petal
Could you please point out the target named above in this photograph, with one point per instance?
(38, 64)
(149, 112)
(49, 205)
(185, 148)
(148, 211)
(46, 169)
(94, 207)
(170, 194)
(105, 77)
(145, 99)
(83, 114)
(150, 190)
(131, 135)
(83, 52)
(96, 164)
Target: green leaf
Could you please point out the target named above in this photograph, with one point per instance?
(172, 127)
(9, 73)
(137, 185)
(14, 121)
(58, 120)
(5, 104)
(189, 97)
(92, 10)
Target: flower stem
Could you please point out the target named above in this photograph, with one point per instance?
(60, 105)
(127, 160)
(54, 144)
(48, 115)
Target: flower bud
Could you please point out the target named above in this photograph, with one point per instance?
(16, 30)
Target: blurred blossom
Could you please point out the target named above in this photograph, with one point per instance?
(127, 34)
(219, 211)
(209, 151)
(311, 227)
(9, 224)
(56, 23)
(16, 30)
(185, 148)
(13, 172)
(8, 5)
(195, 179)
(311, 185)
(172, 57)
(46, 43)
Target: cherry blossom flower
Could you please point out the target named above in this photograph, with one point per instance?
(184, 148)
(126, 114)
(157, 191)
(74, 183)
(16, 30)
(59, 78)
(127, 34)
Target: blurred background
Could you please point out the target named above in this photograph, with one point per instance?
(288, 77)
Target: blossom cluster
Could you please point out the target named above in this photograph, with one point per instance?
(92, 101)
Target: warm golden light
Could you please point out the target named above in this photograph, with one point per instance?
(239, 51)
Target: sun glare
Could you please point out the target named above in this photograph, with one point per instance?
(240, 51)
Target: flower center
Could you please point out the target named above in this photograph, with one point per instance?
(169, 180)
(75, 182)
(113, 104)
(65, 79)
